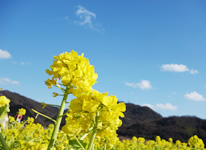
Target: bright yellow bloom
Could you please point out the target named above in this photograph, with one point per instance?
(4, 101)
(11, 119)
(30, 120)
(84, 109)
(195, 142)
(134, 139)
(22, 111)
(72, 70)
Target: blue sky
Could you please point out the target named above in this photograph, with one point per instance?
(146, 52)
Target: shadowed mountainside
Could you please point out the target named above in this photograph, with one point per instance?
(138, 121)
(18, 101)
(144, 122)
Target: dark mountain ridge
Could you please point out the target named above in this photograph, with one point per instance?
(138, 121)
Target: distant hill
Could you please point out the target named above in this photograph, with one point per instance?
(138, 121)
(135, 114)
(144, 122)
(18, 101)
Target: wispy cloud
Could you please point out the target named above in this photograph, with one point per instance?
(166, 106)
(193, 71)
(149, 105)
(24, 63)
(144, 84)
(194, 96)
(4, 54)
(178, 68)
(20, 63)
(174, 68)
(6, 81)
(86, 18)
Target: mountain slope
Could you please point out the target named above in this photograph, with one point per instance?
(138, 121)
(19, 101)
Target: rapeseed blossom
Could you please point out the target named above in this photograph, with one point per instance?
(195, 142)
(70, 69)
(4, 101)
(22, 111)
(92, 106)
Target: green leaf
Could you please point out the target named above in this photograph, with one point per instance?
(3, 110)
(75, 145)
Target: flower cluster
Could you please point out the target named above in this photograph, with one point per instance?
(94, 109)
(4, 101)
(22, 111)
(160, 144)
(195, 142)
(30, 136)
(4, 109)
(72, 70)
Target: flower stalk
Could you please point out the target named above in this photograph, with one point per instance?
(91, 143)
(43, 115)
(58, 120)
(3, 142)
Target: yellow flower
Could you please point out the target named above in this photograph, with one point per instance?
(4, 101)
(22, 111)
(71, 70)
(195, 142)
(134, 139)
(11, 119)
(75, 105)
(30, 120)
(141, 140)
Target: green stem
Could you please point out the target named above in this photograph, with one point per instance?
(90, 146)
(85, 135)
(105, 145)
(58, 120)
(43, 115)
(79, 143)
(3, 142)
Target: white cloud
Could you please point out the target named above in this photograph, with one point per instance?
(4, 54)
(86, 18)
(166, 106)
(24, 63)
(144, 84)
(194, 96)
(178, 68)
(131, 84)
(20, 63)
(149, 105)
(193, 71)
(5, 81)
(174, 67)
